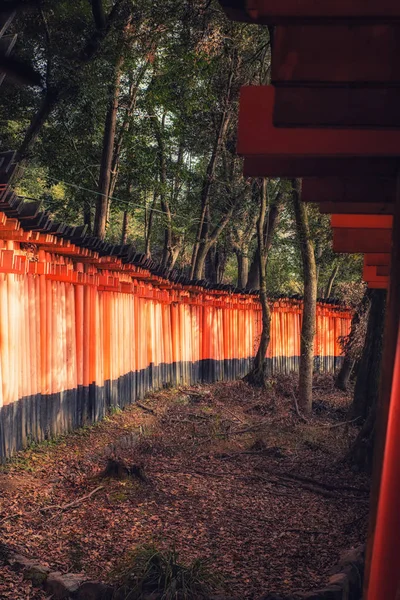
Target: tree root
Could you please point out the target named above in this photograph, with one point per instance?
(145, 408)
(321, 484)
(63, 507)
(296, 405)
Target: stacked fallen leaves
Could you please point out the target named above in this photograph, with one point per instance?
(233, 475)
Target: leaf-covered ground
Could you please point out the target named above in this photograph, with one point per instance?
(233, 476)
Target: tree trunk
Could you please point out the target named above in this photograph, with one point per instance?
(257, 375)
(211, 266)
(349, 361)
(100, 218)
(199, 248)
(165, 207)
(207, 244)
(310, 300)
(332, 278)
(124, 231)
(87, 216)
(243, 269)
(208, 180)
(366, 392)
(253, 281)
(133, 90)
(367, 384)
(175, 253)
(343, 377)
(150, 225)
(220, 264)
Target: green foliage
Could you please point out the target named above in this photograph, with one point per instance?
(183, 64)
(160, 573)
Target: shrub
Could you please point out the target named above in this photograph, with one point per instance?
(157, 574)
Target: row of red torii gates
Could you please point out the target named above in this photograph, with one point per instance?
(332, 117)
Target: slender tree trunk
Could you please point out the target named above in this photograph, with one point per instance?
(318, 255)
(220, 264)
(253, 281)
(100, 218)
(124, 231)
(243, 269)
(258, 373)
(167, 249)
(165, 207)
(175, 253)
(207, 244)
(210, 266)
(332, 278)
(367, 384)
(87, 216)
(208, 180)
(200, 261)
(199, 250)
(147, 241)
(310, 300)
(123, 130)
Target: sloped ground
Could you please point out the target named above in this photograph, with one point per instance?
(233, 476)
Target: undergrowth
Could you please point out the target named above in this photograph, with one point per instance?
(159, 575)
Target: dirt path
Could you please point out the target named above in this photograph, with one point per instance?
(228, 475)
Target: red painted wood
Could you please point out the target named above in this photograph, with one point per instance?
(370, 273)
(384, 581)
(377, 259)
(382, 573)
(383, 270)
(279, 10)
(288, 167)
(349, 189)
(362, 241)
(257, 134)
(310, 11)
(336, 54)
(379, 285)
(356, 208)
(299, 106)
(362, 221)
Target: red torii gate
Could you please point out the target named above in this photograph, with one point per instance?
(332, 116)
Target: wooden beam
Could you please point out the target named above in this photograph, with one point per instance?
(312, 54)
(377, 259)
(363, 106)
(361, 221)
(356, 208)
(290, 167)
(362, 241)
(382, 284)
(258, 136)
(370, 273)
(273, 12)
(383, 270)
(349, 189)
